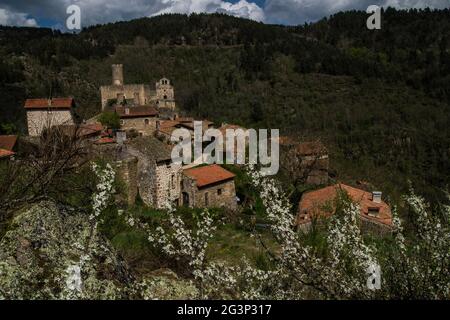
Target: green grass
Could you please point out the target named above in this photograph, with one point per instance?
(231, 244)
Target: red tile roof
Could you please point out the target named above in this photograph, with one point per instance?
(164, 124)
(137, 112)
(6, 153)
(55, 103)
(105, 140)
(84, 130)
(8, 142)
(208, 175)
(320, 203)
(91, 129)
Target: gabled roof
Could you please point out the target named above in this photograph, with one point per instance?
(317, 203)
(83, 130)
(152, 148)
(167, 126)
(137, 112)
(8, 142)
(208, 175)
(105, 140)
(6, 153)
(54, 103)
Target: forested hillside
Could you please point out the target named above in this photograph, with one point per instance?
(378, 99)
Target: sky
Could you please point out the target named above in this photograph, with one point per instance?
(52, 13)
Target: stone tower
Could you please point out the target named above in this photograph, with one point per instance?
(165, 95)
(117, 74)
(164, 90)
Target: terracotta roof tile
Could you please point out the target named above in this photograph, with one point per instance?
(105, 140)
(8, 142)
(136, 112)
(317, 202)
(55, 103)
(6, 153)
(164, 124)
(83, 130)
(208, 175)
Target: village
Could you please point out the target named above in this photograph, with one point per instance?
(141, 148)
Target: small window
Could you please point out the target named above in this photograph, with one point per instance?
(206, 199)
(172, 181)
(165, 97)
(219, 192)
(122, 122)
(373, 212)
(146, 121)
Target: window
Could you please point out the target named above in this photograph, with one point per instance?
(122, 122)
(206, 199)
(219, 192)
(165, 97)
(172, 181)
(373, 212)
(146, 122)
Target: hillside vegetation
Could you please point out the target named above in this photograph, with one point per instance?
(378, 99)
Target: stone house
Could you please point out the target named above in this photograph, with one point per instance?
(307, 162)
(165, 128)
(119, 93)
(8, 142)
(375, 214)
(158, 179)
(209, 186)
(143, 119)
(45, 113)
(8, 146)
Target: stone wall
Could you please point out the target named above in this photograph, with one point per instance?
(164, 90)
(127, 172)
(128, 91)
(374, 228)
(140, 125)
(366, 226)
(220, 195)
(168, 184)
(157, 183)
(311, 169)
(40, 119)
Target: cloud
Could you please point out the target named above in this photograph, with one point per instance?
(242, 8)
(103, 11)
(8, 18)
(300, 11)
(20, 12)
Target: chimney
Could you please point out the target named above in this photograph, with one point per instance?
(117, 74)
(121, 137)
(376, 196)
